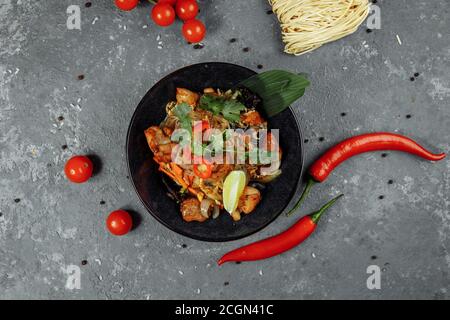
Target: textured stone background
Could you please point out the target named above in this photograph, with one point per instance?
(366, 76)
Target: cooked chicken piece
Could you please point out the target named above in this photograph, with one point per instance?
(190, 210)
(150, 134)
(185, 95)
(249, 200)
(169, 125)
(159, 143)
(219, 173)
(165, 148)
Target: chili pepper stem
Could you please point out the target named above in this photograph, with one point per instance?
(305, 193)
(316, 215)
(152, 2)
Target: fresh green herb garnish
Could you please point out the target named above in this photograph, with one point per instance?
(211, 103)
(229, 108)
(232, 110)
(278, 89)
(182, 111)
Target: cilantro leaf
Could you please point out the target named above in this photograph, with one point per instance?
(182, 111)
(232, 110)
(211, 103)
(229, 108)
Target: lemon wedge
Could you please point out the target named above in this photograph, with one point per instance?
(233, 187)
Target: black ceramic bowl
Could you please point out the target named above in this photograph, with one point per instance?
(147, 180)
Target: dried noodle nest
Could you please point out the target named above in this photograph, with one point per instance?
(308, 24)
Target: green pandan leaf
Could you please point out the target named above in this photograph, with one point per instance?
(278, 89)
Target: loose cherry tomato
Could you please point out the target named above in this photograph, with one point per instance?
(119, 222)
(163, 14)
(186, 9)
(79, 169)
(171, 2)
(203, 170)
(194, 30)
(127, 5)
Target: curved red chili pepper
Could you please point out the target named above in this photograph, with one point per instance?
(280, 243)
(348, 148)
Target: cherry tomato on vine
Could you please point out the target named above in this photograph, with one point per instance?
(126, 5)
(119, 222)
(163, 14)
(79, 169)
(171, 2)
(186, 9)
(194, 30)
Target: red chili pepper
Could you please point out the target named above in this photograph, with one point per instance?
(204, 169)
(280, 243)
(348, 148)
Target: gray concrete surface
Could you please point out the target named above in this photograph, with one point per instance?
(366, 76)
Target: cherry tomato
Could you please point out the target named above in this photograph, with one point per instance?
(79, 169)
(127, 5)
(194, 30)
(119, 222)
(186, 9)
(163, 14)
(171, 2)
